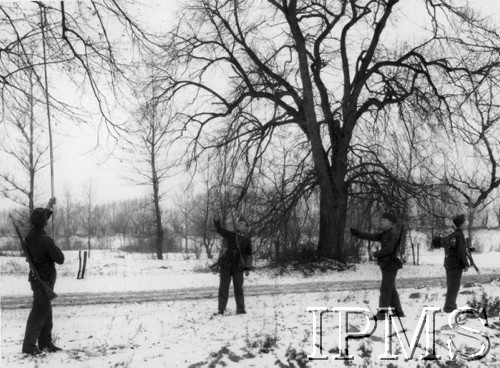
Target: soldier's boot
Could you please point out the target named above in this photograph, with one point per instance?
(31, 350)
(50, 347)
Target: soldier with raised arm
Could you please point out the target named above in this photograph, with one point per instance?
(44, 254)
(235, 259)
(388, 261)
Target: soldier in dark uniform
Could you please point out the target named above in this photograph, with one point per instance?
(455, 262)
(389, 262)
(236, 258)
(43, 253)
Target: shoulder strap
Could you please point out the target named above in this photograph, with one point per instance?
(398, 244)
(454, 234)
(446, 241)
(238, 246)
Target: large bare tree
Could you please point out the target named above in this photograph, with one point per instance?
(328, 68)
(150, 146)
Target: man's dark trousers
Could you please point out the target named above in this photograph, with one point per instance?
(225, 281)
(389, 296)
(39, 326)
(453, 278)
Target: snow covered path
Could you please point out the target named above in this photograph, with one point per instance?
(86, 298)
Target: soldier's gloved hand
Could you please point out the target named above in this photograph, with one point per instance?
(466, 269)
(247, 272)
(354, 232)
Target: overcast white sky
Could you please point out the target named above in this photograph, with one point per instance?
(78, 161)
(81, 155)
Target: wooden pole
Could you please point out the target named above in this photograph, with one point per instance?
(43, 19)
(84, 265)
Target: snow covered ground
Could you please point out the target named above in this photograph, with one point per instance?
(277, 331)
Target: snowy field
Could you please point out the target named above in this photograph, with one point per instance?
(277, 331)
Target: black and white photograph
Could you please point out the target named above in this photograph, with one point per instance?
(250, 183)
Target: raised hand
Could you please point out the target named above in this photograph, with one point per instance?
(52, 202)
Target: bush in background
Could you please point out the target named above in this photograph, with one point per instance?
(491, 305)
(304, 259)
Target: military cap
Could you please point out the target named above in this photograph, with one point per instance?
(459, 219)
(39, 217)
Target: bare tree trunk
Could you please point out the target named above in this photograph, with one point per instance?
(418, 253)
(186, 232)
(277, 249)
(326, 220)
(68, 218)
(89, 217)
(207, 243)
(413, 251)
(470, 221)
(159, 228)
(206, 239)
(333, 209)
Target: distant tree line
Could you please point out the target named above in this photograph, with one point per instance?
(280, 232)
(125, 219)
